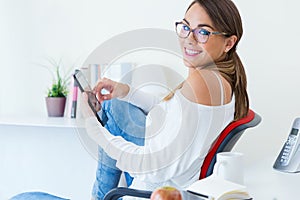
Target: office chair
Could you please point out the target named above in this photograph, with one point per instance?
(225, 142)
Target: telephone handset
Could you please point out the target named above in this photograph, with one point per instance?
(289, 158)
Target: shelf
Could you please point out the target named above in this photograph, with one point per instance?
(42, 121)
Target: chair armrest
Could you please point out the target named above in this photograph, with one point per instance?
(118, 192)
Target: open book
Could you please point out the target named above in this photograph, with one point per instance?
(215, 188)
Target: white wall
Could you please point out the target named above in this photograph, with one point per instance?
(269, 50)
(32, 30)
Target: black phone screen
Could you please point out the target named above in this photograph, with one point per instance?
(84, 86)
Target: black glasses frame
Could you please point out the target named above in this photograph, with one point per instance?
(193, 30)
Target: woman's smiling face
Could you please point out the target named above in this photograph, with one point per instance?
(198, 54)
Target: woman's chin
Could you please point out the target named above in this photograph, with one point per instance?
(189, 64)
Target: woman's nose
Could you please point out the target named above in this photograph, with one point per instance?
(191, 38)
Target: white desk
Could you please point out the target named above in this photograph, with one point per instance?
(265, 183)
(45, 154)
(48, 154)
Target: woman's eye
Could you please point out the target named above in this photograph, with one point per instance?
(186, 28)
(204, 32)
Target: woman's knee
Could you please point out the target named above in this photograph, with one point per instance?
(125, 117)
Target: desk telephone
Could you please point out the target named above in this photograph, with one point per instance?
(289, 158)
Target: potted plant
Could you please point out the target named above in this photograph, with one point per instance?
(57, 93)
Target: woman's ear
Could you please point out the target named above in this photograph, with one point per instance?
(229, 43)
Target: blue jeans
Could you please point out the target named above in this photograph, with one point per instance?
(36, 196)
(121, 119)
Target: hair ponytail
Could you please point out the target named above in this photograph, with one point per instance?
(233, 71)
(239, 89)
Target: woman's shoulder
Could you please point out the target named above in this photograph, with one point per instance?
(205, 87)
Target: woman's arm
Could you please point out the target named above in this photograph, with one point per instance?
(141, 99)
(124, 92)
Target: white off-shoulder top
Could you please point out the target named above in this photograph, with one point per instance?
(179, 134)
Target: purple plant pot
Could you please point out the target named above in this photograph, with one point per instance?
(56, 106)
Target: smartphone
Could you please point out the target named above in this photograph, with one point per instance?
(84, 86)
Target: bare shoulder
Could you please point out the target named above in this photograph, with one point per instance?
(203, 87)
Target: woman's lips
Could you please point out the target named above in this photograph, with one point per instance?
(191, 52)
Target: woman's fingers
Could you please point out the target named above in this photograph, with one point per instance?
(94, 101)
(103, 97)
(106, 84)
(107, 89)
(104, 88)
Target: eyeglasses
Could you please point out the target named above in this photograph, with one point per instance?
(200, 34)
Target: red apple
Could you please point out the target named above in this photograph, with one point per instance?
(166, 193)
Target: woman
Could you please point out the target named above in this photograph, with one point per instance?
(186, 122)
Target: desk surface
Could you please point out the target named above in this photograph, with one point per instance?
(49, 159)
(44, 121)
(261, 179)
(264, 182)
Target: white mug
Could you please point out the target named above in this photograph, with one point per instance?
(230, 166)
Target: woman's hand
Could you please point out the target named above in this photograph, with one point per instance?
(115, 89)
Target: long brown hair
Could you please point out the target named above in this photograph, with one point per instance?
(226, 18)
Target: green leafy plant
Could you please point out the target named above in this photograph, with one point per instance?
(59, 86)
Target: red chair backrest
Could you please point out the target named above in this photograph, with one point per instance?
(227, 136)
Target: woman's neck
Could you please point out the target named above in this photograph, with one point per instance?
(194, 70)
(191, 71)
(208, 66)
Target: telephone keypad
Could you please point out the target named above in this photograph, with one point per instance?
(287, 150)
